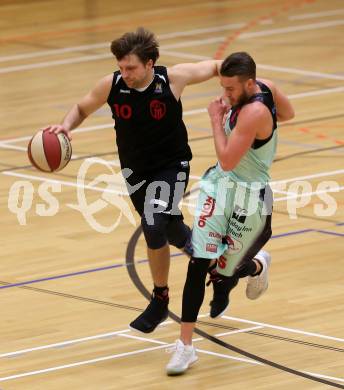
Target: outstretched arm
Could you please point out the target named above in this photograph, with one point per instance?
(181, 75)
(88, 104)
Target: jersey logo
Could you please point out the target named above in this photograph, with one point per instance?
(157, 109)
(124, 91)
(158, 88)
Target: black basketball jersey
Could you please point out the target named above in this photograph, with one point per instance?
(265, 97)
(150, 132)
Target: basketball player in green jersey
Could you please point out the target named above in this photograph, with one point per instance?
(235, 200)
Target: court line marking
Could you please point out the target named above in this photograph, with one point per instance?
(101, 45)
(164, 345)
(4, 145)
(130, 336)
(292, 330)
(334, 12)
(82, 339)
(274, 68)
(229, 357)
(142, 261)
(56, 368)
(284, 69)
(283, 30)
(239, 331)
(111, 357)
(281, 69)
(63, 343)
(324, 376)
(193, 43)
(83, 362)
(122, 333)
(177, 34)
(318, 92)
(78, 130)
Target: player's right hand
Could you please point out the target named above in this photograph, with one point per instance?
(59, 129)
(217, 109)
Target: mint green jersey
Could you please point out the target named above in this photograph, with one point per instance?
(255, 164)
(233, 215)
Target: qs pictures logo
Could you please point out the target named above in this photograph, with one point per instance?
(21, 196)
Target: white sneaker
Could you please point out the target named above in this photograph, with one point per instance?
(183, 356)
(257, 285)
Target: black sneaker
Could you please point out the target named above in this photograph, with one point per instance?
(222, 286)
(155, 313)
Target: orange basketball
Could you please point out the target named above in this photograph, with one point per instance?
(49, 152)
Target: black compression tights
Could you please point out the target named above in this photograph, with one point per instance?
(193, 293)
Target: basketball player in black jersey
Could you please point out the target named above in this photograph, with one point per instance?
(152, 146)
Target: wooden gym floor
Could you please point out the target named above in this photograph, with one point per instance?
(66, 294)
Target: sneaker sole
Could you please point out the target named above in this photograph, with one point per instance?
(220, 314)
(176, 372)
(142, 332)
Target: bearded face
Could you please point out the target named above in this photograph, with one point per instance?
(237, 90)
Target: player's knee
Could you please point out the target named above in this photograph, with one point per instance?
(177, 232)
(197, 271)
(155, 232)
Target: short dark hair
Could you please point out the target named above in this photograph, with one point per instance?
(141, 42)
(239, 64)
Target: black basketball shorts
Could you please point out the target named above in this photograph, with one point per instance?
(159, 191)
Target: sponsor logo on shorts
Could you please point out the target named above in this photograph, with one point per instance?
(207, 211)
(222, 262)
(211, 248)
(215, 235)
(234, 245)
(239, 214)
